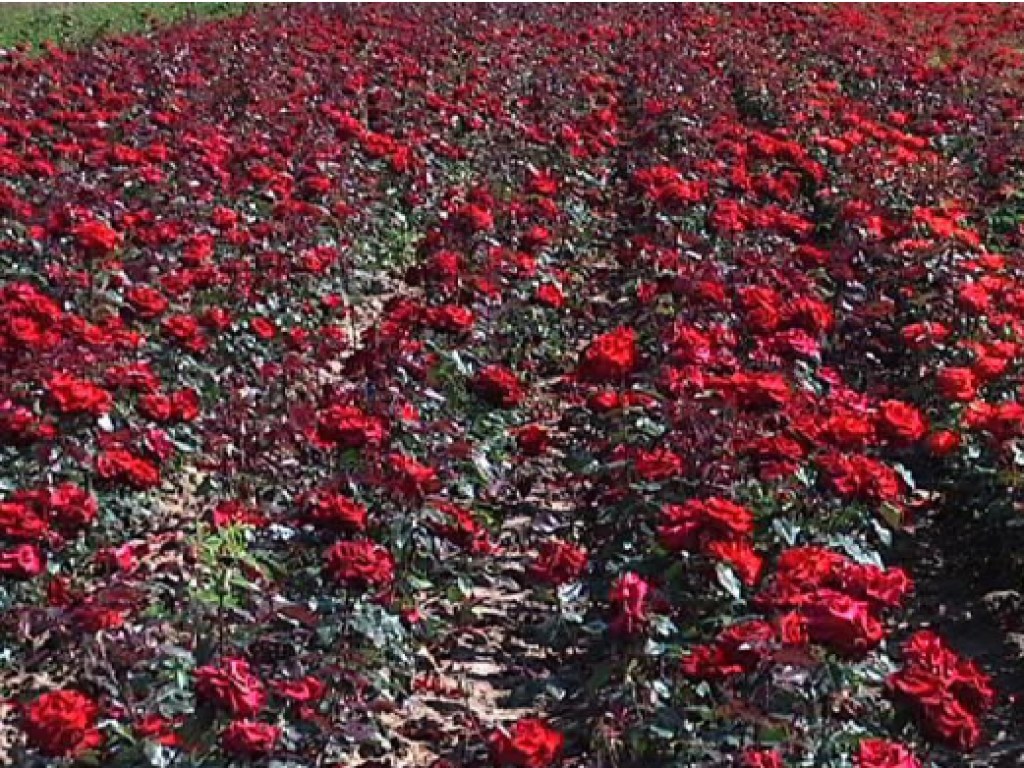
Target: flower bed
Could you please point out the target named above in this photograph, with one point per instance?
(515, 385)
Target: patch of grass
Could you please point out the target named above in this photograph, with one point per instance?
(75, 24)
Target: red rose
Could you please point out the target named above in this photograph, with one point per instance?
(684, 525)
(550, 295)
(157, 407)
(741, 556)
(812, 315)
(849, 430)
(459, 527)
(411, 478)
(958, 384)
(629, 597)
(755, 391)
(761, 758)
(263, 328)
(216, 319)
(349, 427)
(185, 404)
(949, 721)
(842, 623)
(451, 318)
(119, 465)
(901, 422)
(879, 753)
(610, 357)
(304, 690)
(604, 401)
(943, 442)
(535, 237)
(880, 586)
(474, 218)
(96, 238)
(232, 686)
(924, 335)
(248, 738)
(658, 464)
(862, 477)
(185, 330)
(25, 561)
(360, 563)
(499, 386)
(71, 507)
(558, 562)
(989, 367)
(948, 693)
(737, 650)
(72, 395)
(62, 723)
(147, 302)
(19, 521)
(234, 512)
(530, 743)
(160, 730)
(533, 439)
(332, 510)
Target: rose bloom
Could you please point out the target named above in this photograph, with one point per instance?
(25, 561)
(360, 563)
(629, 596)
(120, 465)
(235, 512)
(62, 723)
(95, 237)
(71, 507)
(72, 395)
(19, 519)
(558, 562)
(550, 295)
(947, 692)
(532, 439)
(411, 478)
(604, 401)
(957, 384)
(761, 758)
(248, 738)
(684, 524)
(332, 510)
(924, 335)
(610, 357)
(529, 743)
(737, 650)
(943, 442)
(658, 464)
(185, 403)
(304, 690)
(263, 328)
(741, 556)
(842, 623)
(451, 318)
(148, 303)
(160, 730)
(901, 422)
(232, 686)
(156, 406)
(880, 753)
(349, 427)
(499, 386)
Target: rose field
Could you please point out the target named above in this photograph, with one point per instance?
(460, 386)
